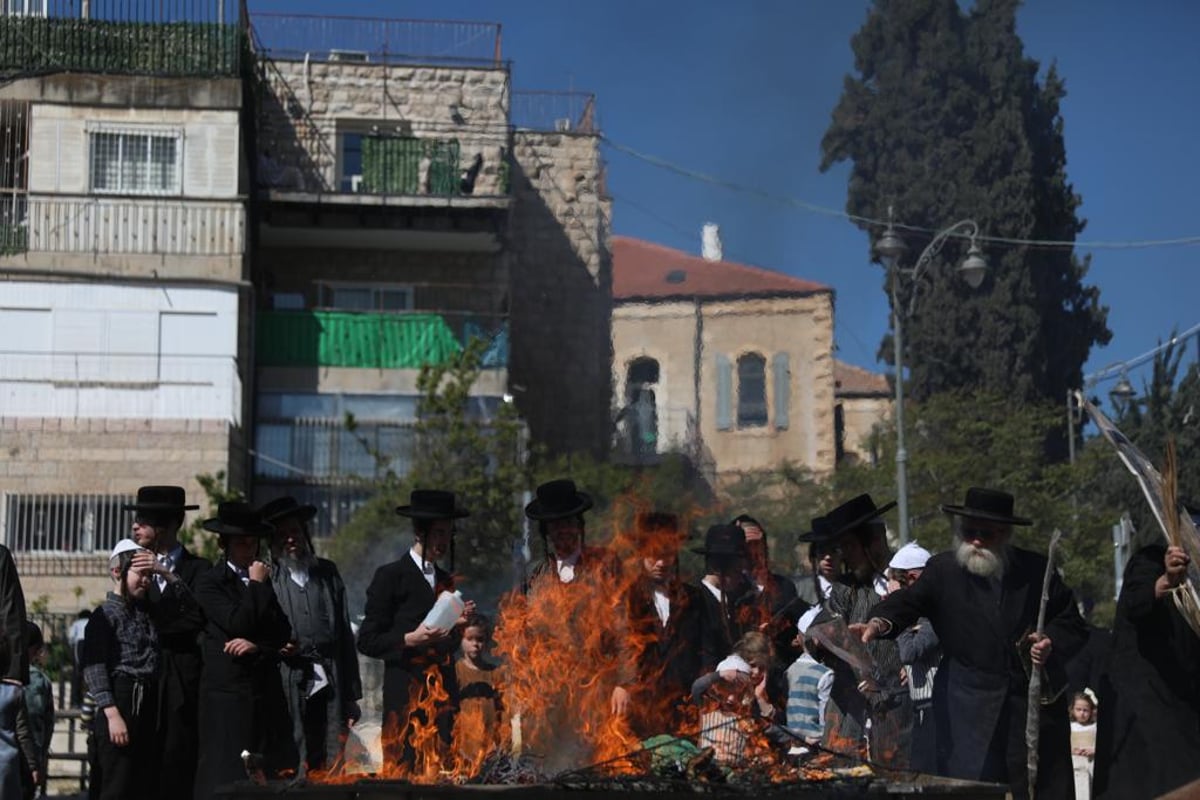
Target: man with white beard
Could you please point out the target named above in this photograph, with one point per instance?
(982, 600)
(320, 666)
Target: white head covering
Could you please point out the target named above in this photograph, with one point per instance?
(735, 663)
(911, 556)
(124, 546)
(806, 619)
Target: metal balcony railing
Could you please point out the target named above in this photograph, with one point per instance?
(81, 524)
(562, 112)
(376, 40)
(172, 38)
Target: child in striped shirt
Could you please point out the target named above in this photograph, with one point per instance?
(809, 685)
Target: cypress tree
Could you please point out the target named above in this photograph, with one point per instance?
(945, 119)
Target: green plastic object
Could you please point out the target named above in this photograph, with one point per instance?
(353, 339)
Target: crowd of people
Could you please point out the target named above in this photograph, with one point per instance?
(203, 674)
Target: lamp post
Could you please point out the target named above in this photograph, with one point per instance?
(890, 249)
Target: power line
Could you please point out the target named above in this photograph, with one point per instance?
(803, 205)
(1116, 369)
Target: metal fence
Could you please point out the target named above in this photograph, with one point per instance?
(376, 40)
(164, 37)
(82, 524)
(564, 112)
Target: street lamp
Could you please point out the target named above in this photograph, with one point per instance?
(890, 248)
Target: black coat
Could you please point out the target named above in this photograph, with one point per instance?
(721, 627)
(1148, 731)
(664, 660)
(179, 620)
(980, 691)
(14, 656)
(398, 599)
(779, 607)
(242, 705)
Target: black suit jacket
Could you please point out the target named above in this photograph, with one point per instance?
(720, 628)
(398, 599)
(179, 620)
(233, 610)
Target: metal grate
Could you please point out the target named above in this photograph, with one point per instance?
(135, 163)
(65, 523)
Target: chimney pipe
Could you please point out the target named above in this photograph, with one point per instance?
(710, 242)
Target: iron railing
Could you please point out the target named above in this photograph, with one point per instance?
(376, 40)
(120, 385)
(135, 37)
(563, 112)
(80, 524)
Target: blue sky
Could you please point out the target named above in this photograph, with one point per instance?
(744, 91)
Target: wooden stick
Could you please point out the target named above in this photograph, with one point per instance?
(1033, 713)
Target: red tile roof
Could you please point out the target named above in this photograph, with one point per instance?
(643, 270)
(855, 381)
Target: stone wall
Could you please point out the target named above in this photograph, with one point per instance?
(860, 417)
(303, 108)
(561, 278)
(115, 456)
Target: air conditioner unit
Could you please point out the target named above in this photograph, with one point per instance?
(562, 124)
(349, 55)
(356, 183)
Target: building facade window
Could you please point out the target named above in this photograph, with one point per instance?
(135, 162)
(365, 297)
(65, 523)
(752, 391)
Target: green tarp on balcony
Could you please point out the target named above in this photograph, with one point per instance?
(392, 165)
(352, 339)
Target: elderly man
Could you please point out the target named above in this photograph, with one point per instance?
(321, 678)
(393, 629)
(982, 600)
(158, 514)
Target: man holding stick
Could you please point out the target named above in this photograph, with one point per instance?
(982, 600)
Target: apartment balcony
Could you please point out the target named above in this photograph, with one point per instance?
(371, 352)
(381, 133)
(171, 38)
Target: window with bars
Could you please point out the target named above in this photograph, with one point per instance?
(125, 162)
(65, 523)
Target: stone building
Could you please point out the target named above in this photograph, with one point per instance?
(731, 364)
(221, 236)
(122, 255)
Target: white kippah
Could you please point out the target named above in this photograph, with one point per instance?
(735, 663)
(124, 546)
(911, 556)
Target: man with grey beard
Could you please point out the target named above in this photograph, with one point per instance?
(320, 665)
(982, 600)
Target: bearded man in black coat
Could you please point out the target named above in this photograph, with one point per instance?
(982, 600)
(1148, 734)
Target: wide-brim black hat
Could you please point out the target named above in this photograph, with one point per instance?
(988, 504)
(854, 512)
(283, 507)
(160, 498)
(432, 504)
(820, 532)
(238, 519)
(723, 541)
(558, 500)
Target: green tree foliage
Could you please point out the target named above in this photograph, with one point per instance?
(1167, 408)
(216, 491)
(946, 118)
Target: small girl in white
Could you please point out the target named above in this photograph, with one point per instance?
(1083, 742)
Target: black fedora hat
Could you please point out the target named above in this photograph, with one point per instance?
(283, 507)
(431, 504)
(854, 512)
(159, 498)
(238, 519)
(820, 532)
(988, 504)
(558, 500)
(723, 541)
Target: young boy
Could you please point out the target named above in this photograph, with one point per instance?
(39, 705)
(120, 667)
(809, 685)
(476, 730)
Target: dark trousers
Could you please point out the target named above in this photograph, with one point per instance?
(1006, 759)
(923, 756)
(403, 693)
(129, 772)
(178, 730)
